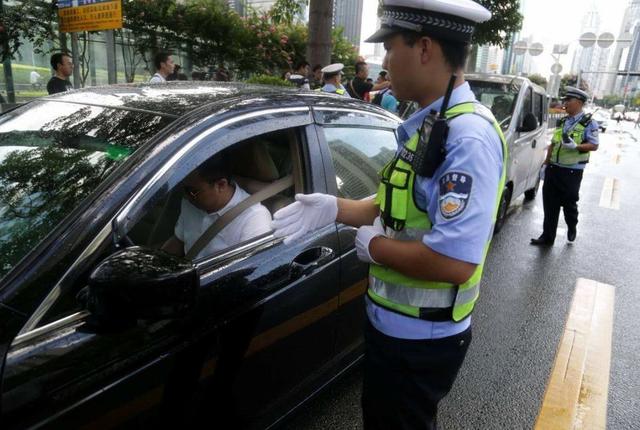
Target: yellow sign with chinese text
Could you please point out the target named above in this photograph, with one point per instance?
(89, 15)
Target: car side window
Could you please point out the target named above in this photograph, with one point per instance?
(251, 166)
(213, 189)
(358, 155)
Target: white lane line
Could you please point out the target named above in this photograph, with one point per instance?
(610, 196)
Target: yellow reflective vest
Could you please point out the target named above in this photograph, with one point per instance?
(417, 297)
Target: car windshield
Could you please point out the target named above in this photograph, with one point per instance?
(52, 156)
(498, 97)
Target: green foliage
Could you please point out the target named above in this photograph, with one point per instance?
(32, 20)
(505, 19)
(611, 100)
(208, 30)
(269, 80)
(284, 11)
(538, 79)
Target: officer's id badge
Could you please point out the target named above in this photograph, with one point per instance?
(455, 189)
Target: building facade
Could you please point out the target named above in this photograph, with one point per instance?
(623, 56)
(348, 15)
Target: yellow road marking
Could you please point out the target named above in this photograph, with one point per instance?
(610, 196)
(576, 396)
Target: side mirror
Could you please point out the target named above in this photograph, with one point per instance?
(141, 283)
(529, 123)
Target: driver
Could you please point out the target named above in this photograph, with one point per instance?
(209, 193)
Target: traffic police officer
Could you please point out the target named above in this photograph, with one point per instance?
(332, 76)
(574, 138)
(427, 232)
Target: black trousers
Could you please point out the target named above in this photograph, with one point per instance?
(405, 379)
(561, 189)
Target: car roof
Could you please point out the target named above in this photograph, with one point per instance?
(178, 98)
(502, 79)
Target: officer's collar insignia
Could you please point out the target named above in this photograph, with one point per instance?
(455, 189)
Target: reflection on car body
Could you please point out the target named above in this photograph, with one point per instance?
(100, 327)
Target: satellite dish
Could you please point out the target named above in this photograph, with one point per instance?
(556, 68)
(536, 49)
(588, 39)
(605, 40)
(520, 47)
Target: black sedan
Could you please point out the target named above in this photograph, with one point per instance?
(101, 328)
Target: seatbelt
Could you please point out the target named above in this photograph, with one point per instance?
(268, 191)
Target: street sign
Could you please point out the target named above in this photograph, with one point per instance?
(556, 68)
(560, 49)
(605, 40)
(588, 39)
(520, 47)
(536, 49)
(89, 15)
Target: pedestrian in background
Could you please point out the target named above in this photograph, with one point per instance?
(164, 65)
(359, 87)
(332, 76)
(426, 233)
(573, 140)
(62, 64)
(316, 81)
(34, 79)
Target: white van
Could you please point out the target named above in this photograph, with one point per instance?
(521, 109)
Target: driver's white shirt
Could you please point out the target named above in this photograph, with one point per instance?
(193, 222)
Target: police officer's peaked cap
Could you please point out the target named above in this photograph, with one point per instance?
(453, 20)
(333, 69)
(575, 93)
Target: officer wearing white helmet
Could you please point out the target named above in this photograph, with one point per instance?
(427, 232)
(332, 77)
(573, 140)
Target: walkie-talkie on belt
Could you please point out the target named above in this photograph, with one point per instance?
(431, 152)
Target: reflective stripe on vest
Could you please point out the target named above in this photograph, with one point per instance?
(398, 292)
(564, 156)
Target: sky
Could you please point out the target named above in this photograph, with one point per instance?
(547, 21)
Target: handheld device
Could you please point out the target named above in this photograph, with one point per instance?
(431, 150)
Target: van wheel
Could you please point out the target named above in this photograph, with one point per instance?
(502, 210)
(531, 193)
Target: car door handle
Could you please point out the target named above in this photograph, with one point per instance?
(310, 260)
(533, 144)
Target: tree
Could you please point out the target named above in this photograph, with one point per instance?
(505, 19)
(319, 42)
(538, 79)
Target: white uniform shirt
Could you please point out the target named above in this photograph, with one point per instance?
(157, 79)
(193, 222)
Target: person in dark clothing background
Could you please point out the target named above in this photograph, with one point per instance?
(359, 87)
(62, 64)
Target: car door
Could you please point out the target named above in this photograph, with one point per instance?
(271, 304)
(522, 149)
(357, 144)
(251, 298)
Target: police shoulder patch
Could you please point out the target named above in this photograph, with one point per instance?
(455, 189)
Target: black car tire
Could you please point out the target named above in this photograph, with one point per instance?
(502, 210)
(531, 193)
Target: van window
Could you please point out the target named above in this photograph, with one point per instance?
(537, 107)
(498, 97)
(527, 105)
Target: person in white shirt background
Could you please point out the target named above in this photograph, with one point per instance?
(164, 65)
(209, 193)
